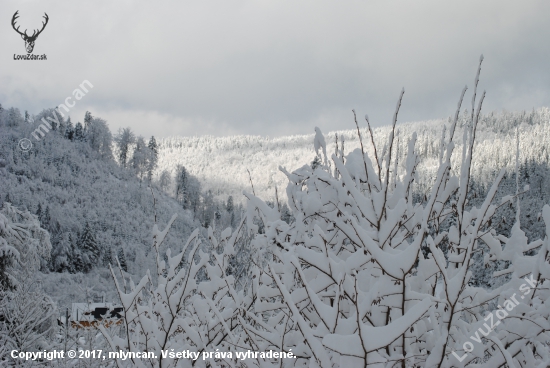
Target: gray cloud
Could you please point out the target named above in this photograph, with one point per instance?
(275, 68)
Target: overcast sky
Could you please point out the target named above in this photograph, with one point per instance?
(274, 67)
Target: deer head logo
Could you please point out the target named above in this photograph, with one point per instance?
(29, 40)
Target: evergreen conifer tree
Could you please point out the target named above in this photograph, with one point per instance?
(14, 117)
(207, 208)
(46, 219)
(62, 254)
(69, 130)
(39, 212)
(87, 120)
(76, 263)
(89, 248)
(152, 158)
(182, 186)
(108, 257)
(79, 132)
(122, 259)
(62, 126)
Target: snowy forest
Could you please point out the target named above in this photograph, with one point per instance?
(410, 245)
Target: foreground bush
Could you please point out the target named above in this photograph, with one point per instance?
(366, 275)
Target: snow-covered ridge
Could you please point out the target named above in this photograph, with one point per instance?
(221, 163)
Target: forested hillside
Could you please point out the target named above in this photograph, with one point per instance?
(221, 163)
(93, 192)
(91, 189)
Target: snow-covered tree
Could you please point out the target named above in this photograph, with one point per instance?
(99, 137)
(79, 260)
(23, 243)
(139, 158)
(87, 120)
(152, 157)
(207, 213)
(165, 181)
(46, 220)
(14, 117)
(69, 129)
(124, 139)
(108, 257)
(89, 248)
(39, 212)
(122, 260)
(25, 311)
(182, 189)
(79, 134)
(230, 208)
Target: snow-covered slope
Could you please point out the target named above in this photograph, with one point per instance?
(222, 163)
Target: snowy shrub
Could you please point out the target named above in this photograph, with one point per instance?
(171, 311)
(349, 284)
(365, 275)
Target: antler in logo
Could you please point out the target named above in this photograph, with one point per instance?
(29, 40)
